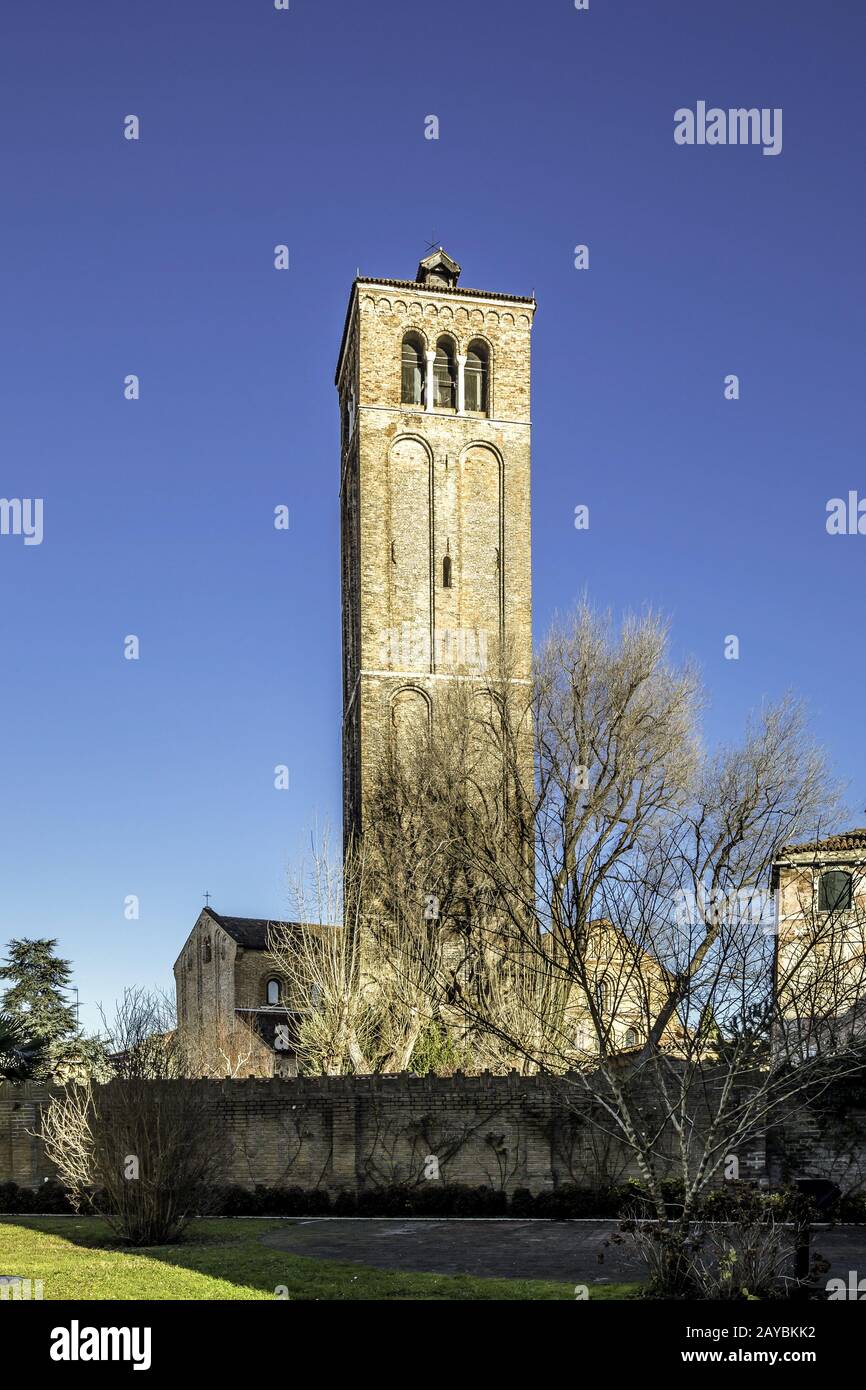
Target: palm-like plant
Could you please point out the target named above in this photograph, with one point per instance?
(20, 1054)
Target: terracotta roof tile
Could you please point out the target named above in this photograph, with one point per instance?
(847, 839)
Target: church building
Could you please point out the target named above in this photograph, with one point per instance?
(230, 1000)
(434, 389)
(433, 382)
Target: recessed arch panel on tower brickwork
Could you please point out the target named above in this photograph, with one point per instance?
(409, 528)
(410, 717)
(481, 542)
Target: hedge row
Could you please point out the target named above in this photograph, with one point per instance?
(441, 1199)
(48, 1199)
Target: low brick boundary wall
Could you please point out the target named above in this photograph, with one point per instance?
(354, 1133)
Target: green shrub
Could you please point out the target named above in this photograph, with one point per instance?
(49, 1199)
(739, 1202)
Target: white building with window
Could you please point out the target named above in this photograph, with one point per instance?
(820, 936)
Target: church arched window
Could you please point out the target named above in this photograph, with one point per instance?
(413, 373)
(445, 374)
(477, 372)
(446, 572)
(273, 992)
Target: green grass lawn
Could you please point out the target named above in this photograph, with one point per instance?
(78, 1258)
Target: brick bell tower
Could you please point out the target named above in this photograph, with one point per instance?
(434, 389)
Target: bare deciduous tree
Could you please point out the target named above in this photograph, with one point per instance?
(225, 1048)
(142, 1151)
(637, 925)
(358, 975)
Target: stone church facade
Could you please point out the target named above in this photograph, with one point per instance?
(231, 999)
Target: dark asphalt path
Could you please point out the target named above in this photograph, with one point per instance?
(565, 1251)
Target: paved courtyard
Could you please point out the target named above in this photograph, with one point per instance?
(568, 1251)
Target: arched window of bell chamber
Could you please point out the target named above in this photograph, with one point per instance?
(273, 992)
(445, 375)
(447, 581)
(413, 370)
(477, 373)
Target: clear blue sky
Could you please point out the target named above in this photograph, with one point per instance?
(258, 127)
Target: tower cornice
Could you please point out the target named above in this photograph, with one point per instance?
(424, 291)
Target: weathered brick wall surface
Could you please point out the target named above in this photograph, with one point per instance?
(252, 970)
(419, 486)
(204, 975)
(362, 1132)
(825, 1140)
(21, 1157)
(347, 1132)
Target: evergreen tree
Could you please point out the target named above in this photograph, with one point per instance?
(20, 1054)
(78, 1059)
(35, 997)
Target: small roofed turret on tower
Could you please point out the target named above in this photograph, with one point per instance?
(438, 271)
